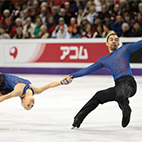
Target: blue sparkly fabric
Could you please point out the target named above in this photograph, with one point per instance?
(116, 62)
(8, 82)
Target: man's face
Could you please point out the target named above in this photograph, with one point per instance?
(113, 43)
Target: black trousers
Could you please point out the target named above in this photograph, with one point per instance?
(124, 88)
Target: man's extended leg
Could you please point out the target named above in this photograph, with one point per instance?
(124, 91)
(99, 98)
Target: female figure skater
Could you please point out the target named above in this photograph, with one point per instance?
(14, 86)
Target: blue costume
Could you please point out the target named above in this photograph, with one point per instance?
(117, 63)
(8, 82)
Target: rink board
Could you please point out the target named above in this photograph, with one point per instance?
(54, 56)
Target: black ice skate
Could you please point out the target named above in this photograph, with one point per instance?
(76, 123)
(126, 116)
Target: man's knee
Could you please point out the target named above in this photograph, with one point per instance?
(100, 97)
(120, 98)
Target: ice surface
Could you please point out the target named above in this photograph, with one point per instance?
(51, 118)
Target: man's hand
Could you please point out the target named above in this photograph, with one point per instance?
(68, 79)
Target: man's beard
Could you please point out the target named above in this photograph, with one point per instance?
(113, 47)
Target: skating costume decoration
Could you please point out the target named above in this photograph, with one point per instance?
(116, 62)
(8, 82)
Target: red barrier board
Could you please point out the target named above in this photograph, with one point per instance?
(72, 52)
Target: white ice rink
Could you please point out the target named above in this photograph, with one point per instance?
(51, 118)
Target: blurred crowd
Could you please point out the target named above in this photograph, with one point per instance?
(32, 19)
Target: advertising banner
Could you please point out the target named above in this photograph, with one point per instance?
(54, 52)
(58, 56)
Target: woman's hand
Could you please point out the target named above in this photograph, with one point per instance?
(68, 79)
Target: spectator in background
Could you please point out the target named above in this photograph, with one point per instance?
(61, 22)
(72, 23)
(88, 33)
(25, 16)
(44, 4)
(109, 22)
(129, 20)
(55, 14)
(123, 5)
(3, 34)
(129, 10)
(19, 33)
(80, 15)
(76, 32)
(138, 17)
(28, 35)
(97, 21)
(43, 32)
(37, 28)
(30, 27)
(103, 2)
(16, 12)
(4, 4)
(36, 7)
(50, 5)
(92, 14)
(24, 6)
(76, 5)
(8, 26)
(140, 8)
(33, 15)
(107, 31)
(50, 25)
(62, 33)
(99, 32)
(84, 22)
(118, 23)
(64, 14)
(43, 15)
(18, 24)
(125, 32)
(68, 9)
(137, 31)
(30, 3)
(6, 14)
(111, 6)
(134, 5)
(104, 12)
(116, 11)
(88, 5)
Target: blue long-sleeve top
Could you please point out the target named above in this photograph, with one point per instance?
(116, 62)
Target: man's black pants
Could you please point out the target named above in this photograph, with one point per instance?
(124, 88)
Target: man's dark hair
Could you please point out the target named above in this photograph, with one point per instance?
(110, 35)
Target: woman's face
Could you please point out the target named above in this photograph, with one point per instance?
(38, 21)
(127, 18)
(88, 28)
(27, 103)
(99, 29)
(51, 20)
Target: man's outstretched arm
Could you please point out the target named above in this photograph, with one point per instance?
(132, 47)
(94, 67)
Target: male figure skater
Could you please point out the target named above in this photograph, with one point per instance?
(14, 86)
(117, 61)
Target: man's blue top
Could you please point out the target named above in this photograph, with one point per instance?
(117, 62)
